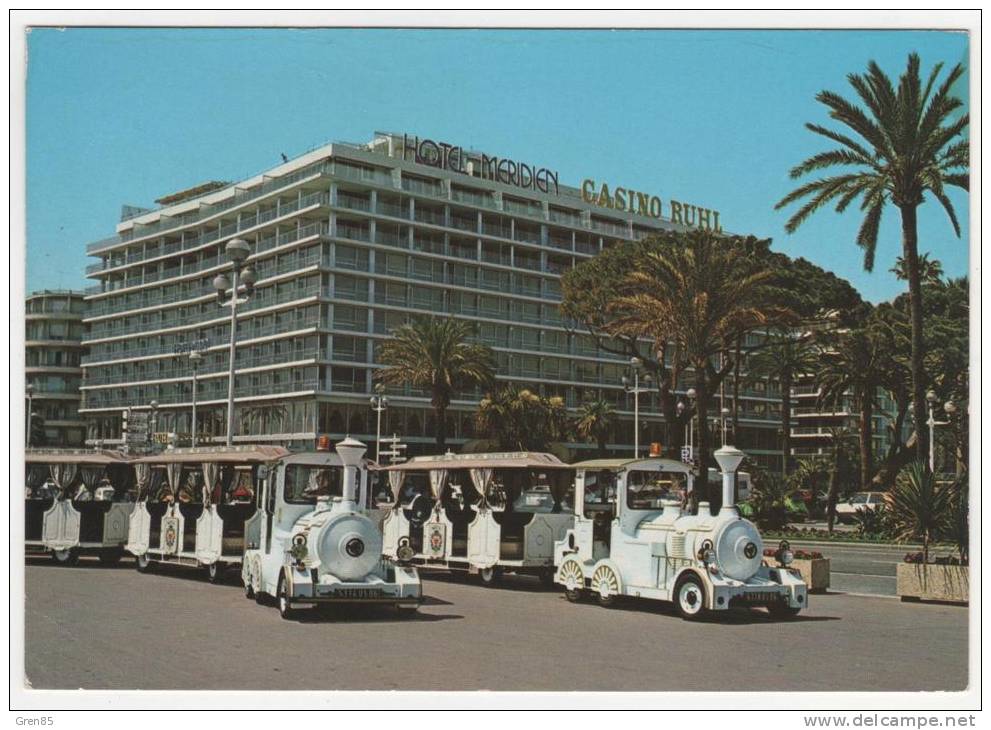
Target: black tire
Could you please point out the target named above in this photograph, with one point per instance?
(67, 557)
(286, 609)
(782, 611)
(249, 590)
(573, 596)
(111, 556)
(142, 563)
(490, 576)
(215, 572)
(689, 597)
(547, 579)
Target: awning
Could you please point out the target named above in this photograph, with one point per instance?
(501, 460)
(67, 456)
(220, 455)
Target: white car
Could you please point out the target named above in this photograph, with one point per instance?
(847, 511)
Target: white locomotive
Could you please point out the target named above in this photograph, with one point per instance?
(311, 542)
(631, 538)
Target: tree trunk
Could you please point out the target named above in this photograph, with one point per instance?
(737, 356)
(866, 443)
(702, 412)
(785, 422)
(440, 416)
(602, 447)
(832, 495)
(910, 250)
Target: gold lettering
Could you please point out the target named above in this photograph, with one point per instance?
(690, 219)
(605, 200)
(620, 198)
(675, 212)
(715, 226)
(644, 204)
(588, 191)
(704, 221)
(655, 207)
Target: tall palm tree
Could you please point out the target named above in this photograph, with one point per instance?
(595, 421)
(701, 292)
(852, 365)
(910, 143)
(785, 359)
(435, 354)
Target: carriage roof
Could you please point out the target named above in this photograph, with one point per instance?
(217, 454)
(70, 456)
(499, 460)
(663, 464)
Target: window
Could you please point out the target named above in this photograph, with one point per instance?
(600, 488)
(646, 489)
(304, 483)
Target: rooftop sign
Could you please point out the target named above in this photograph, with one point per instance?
(633, 201)
(446, 156)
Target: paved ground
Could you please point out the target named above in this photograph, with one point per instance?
(114, 628)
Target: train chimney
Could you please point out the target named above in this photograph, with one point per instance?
(350, 450)
(728, 458)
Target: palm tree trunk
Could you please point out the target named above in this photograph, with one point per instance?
(702, 411)
(785, 422)
(737, 356)
(866, 446)
(910, 250)
(833, 493)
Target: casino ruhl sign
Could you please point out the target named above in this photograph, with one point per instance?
(446, 156)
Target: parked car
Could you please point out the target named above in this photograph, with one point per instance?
(847, 511)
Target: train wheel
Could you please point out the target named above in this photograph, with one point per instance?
(215, 572)
(65, 557)
(573, 579)
(111, 556)
(605, 584)
(489, 576)
(286, 609)
(690, 597)
(249, 588)
(143, 563)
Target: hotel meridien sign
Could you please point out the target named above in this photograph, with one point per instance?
(446, 156)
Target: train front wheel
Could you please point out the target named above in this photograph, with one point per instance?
(65, 557)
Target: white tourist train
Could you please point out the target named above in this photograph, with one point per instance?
(632, 538)
(483, 514)
(313, 541)
(75, 503)
(193, 504)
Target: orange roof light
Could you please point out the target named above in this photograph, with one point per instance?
(656, 449)
(323, 443)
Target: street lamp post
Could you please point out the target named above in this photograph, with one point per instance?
(195, 358)
(723, 413)
(950, 409)
(237, 251)
(691, 421)
(30, 393)
(154, 419)
(379, 403)
(634, 387)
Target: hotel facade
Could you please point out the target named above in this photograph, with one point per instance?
(349, 241)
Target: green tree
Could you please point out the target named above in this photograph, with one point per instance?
(785, 358)
(702, 293)
(435, 354)
(268, 417)
(911, 143)
(840, 466)
(920, 507)
(518, 419)
(851, 366)
(595, 421)
(930, 271)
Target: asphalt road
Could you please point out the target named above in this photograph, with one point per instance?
(113, 628)
(864, 568)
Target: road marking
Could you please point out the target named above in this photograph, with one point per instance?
(864, 575)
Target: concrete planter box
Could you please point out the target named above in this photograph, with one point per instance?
(814, 572)
(950, 583)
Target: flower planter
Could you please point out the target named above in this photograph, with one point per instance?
(814, 571)
(930, 582)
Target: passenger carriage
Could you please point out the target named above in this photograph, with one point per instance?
(314, 540)
(76, 504)
(193, 504)
(483, 514)
(633, 537)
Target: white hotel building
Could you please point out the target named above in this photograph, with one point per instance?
(350, 241)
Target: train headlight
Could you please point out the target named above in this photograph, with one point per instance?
(298, 550)
(706, 553)
(784, 555)
(404, 552)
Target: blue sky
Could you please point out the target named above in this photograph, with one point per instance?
(714, 118)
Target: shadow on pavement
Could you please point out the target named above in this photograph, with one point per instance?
(734, 616)
(85, 561)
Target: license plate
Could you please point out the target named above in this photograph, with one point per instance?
(755, 597)
(358, 593)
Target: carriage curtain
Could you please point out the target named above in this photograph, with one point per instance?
(481, 478)
(37, 474)
(63, 475)
(438, 480)
(211, 471)
(91, 475)
(174, 473)
(396, 479)
(142, 478)
(226, 482)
